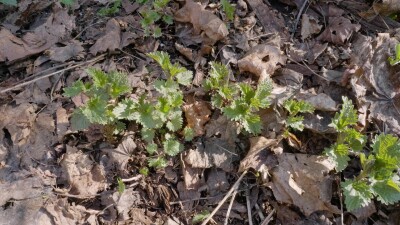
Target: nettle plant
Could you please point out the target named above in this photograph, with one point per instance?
(378, 177)
(152, 12)
(239, 102)
(294, 121)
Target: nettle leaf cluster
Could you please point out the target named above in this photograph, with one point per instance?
(103, 94)
(152, 12)
(294, 107)
(162, 116)
(238, 101)
(110, 10)
(378, 177)
(229, 9)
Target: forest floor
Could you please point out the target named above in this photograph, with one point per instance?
(316, 51)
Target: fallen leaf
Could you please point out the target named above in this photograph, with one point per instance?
(215, 153)
(319, 122)
(262, 60)
(303, 180)
(110, 40)
(139, 217)
(123, 202)
(186, 194)
(217, 182)
(193, 177)
(338, 31)
(385, 8)
(197, 114)
(203, 21)
(229, 130)
(122, 153)
(62, 54)
(320, 101)
(309, 26)
(364, 212)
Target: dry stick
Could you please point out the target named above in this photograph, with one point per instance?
(230, 207)
(249, 207)
(135, 178)
(52, 74)
(260, 213)
(269, 218)
(234, 187)
(298, 17)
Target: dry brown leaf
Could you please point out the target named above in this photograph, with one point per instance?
(262, 60)
(303, 180)
(309, 26)
(223, 126)
(197, 114)
(186, 194)
(62, 54)
(202, 21)
(386, 8)
(111, 39)
(319, 122)
(217, 182)
(338, 31)
(83, 176)
(58, 26)
(122, 153)
(62, 122)
(320, 101)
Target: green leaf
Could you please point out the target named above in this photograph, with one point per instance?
(144, 171)
(184, 78)
(219, 72)
(175, 68)
(99, 77)
(247, 93)
(338, 153)
(188, 133)
(175, 121)
(168, 19)
(96, 110)
(125, 109)
(147, 134)
(217, 100)
(297, 106)
(79, 121)
(147, 115)
(151, 148)
(157, 32)
(252, 123)
(387, 144)
(228, 8)
(75, 89)
(263, 92)
(9, 2)
(162, 58)
(160, 4)
(172, 147)
(354, 138)
(346, 117)
(166, 87)
(121, 185)
(110, 10)
(236, 111)
(67, 2)
(357, 194)
(158, 163)
(119, 84)
(295, 122)
(200, 217)
(387, 192)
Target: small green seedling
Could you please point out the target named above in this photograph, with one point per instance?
(198, 218)
(229, 9)
(153, 12)
(238, 102)
(109, 11)
(294, 107)
(121, 186)
(396, 59)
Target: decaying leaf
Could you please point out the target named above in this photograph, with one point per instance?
(186, 194)
(262, 60)
(385, 8)
(197, 114)
(309, 26)
(339, 30)
(203, 21)
(111, 39)
(223, 126)
(122, 153)
(62, 54)
(320, 101)
(303, 180)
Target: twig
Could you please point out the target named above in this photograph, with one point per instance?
(260, 213)
(269, 218)
(298, 17)
(234, 187)
(230, 207)
(136, 178)
(249, 207)
(52, 74)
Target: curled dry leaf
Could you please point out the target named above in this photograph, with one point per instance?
(309, 26)
(202, 21)
(303, 180)
(62, 54)
(339, 30)
(197, 114)
(262, 60)
(111, 39)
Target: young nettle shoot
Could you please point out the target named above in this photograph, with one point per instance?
(152, 12)
(349, 139)
(294, 107)
(238, 102)
(111, 10)
(229, 9)
(396, 59)
(378, 177)
(102, 94)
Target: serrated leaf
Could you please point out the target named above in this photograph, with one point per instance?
(354, 138)
(338, 153)
(188, 133)
(168, 19)
(98, 76)
(387, 192)
(96, 111)
(346, 117)
(119, 127)
(144, 171)
(125, 109)
(75, 89)
(217, 101)
(162, 58)
(79, 121)
(160, 4)
(297, 106)
(166, 87)
(121, 185)
(295, 122)
(172, 147)
(184, 78)
(228, 8)
(147, 134)
(158, 163)
(246, 92)
(263, 92)
(387, 144)
(252, 124)
(175, 121)
(157, 32)
(119, 84)
(200, 217)
(151, 148)
(147, 115)
(9, 2)
(236, 110)
(357, 194)
(175, 69)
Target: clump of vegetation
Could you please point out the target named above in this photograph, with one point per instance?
(229, 9)
(110, 10)
(294, 107)
(396, 59)
(238, 102)
(153, 12)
